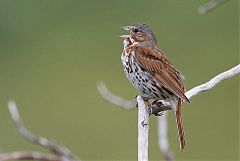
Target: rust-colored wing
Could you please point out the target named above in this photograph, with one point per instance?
(161, 68)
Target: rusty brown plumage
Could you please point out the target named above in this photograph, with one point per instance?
(153, 75)
(166, 75)
(157, 63)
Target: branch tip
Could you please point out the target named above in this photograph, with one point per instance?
(12, 107)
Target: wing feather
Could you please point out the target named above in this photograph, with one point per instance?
(153, 60)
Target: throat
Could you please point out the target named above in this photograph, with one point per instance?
(126, 43)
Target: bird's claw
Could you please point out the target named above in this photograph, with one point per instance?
(156, 108)
(159, 113)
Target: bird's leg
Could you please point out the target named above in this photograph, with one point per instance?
(156, 108)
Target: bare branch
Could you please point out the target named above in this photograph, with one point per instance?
(26, 155)
(61, 152)
(116, 100)
(164, 105)
(209, 6)
(163, 137)
(213, 82)
(143, 128)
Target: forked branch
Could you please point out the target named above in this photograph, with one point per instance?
(59, 153)
(165, 105)
(160, 107)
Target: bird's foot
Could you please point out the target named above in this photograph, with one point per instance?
(156, 108)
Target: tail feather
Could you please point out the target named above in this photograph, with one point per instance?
(181, 132)
(176, 107)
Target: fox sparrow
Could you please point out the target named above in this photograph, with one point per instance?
(151, 73)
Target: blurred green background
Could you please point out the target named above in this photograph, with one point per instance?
(52, 53)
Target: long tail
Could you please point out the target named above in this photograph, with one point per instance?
(178, 114)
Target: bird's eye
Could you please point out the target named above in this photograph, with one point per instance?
(136, 30)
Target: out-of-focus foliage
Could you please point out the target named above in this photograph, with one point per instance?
(53, 52)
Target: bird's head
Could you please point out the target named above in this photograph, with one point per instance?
(140, 33)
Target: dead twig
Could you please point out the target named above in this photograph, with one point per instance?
(26, 155)
(59, 153)
(164, 105)
(209, 6)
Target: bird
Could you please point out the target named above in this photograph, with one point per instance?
(151, 72)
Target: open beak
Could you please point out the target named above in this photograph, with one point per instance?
(127, 27)
(124, 36)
